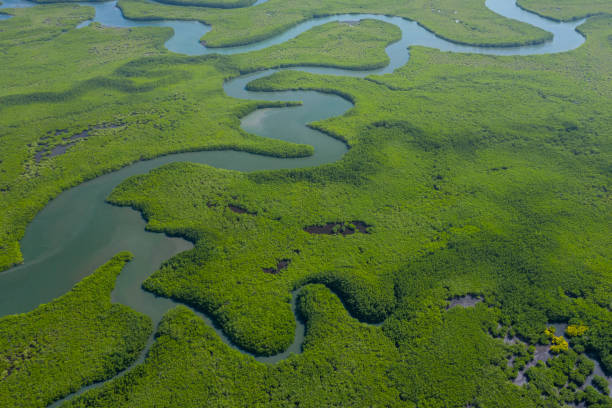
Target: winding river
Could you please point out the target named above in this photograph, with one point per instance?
(77, 231)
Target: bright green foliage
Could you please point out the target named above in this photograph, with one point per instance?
(27, 28)
(559, 379)
(223, 4)
(431, 146)
(251, 306)
(46, 36)
(567, 9)
(449, 358)
(188, 366)
(63, 1)
(481, 175)
(331, 44)
(75, 340)
(344, 363)
(154, 106)
(601, 384)
(476, 23)
(336, 347)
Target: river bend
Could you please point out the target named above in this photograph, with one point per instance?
(78, 231)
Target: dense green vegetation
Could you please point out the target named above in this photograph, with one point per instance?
(225, 4)
(337, 347)
(27, 28)
(429, 203)
(446, 359)
(75, 340)
(143, 109)
(331, 44)
(567, 9)
(467, 21)
(200, 3)
(562, 379)
(476, 175)
(432, 146)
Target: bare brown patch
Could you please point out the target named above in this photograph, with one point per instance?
(464, 301)
(62, 148)
(282, 264)
(240, 210)
(336, 228)
(15, 361)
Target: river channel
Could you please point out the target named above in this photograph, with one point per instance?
(78, 231)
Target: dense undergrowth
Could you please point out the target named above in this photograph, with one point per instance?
(476, 175)
(482, 175)
(445, 359)
(479, 156)
(337, 347)
(73, 341)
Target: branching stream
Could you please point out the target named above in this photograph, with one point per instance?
(77, 231)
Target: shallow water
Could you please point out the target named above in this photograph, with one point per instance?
(187, 34)
(542, 353)
(78, 231)
(464, 301)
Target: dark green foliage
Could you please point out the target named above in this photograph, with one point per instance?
(561, 379)
(593, 399)
(368, 301)
(598, 337)
(77, 339)
(344, 363)
(601, 384)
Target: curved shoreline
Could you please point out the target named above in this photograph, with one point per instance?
(559, 20)
(289, 26)
(396, 51)
(252, 43)
(223, 6)
(188, 33)
(130, 279)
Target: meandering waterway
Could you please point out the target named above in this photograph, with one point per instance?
(78, 231)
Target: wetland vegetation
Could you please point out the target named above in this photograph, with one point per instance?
(567, 9)
(468, 177)
(71, 342)
(477, 24)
